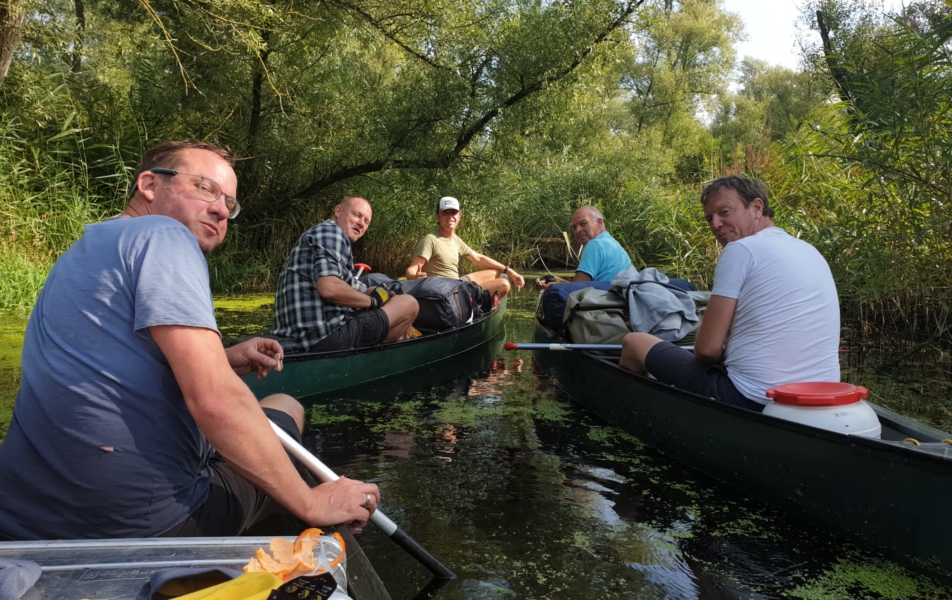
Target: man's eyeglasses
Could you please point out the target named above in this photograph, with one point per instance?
(207, 189)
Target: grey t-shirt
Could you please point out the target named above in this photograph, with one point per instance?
(101, 443)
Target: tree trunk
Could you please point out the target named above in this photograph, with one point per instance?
(839, 75)
(257, 91)
(11, 20)
(77, 62)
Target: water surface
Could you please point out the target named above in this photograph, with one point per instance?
(526, 495)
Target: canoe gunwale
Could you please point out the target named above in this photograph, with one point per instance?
(311, 374)
(119, 567)
(307, 356)
(928, 434)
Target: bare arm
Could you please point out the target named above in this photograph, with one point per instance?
(709, 345)
(256, 354)
(336, 291)
(581, 276)
(542, 284)
(481, 260)
(229, 415)
(415, 270)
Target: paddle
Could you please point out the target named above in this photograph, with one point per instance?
(524, 346)
(603, 347)
(361, 267)
(379, 519)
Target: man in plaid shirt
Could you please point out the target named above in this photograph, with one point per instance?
(320, 305)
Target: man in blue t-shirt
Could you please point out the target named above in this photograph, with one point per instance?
(602, 256)
(131, 419)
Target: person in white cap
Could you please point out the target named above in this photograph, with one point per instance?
(438, 254)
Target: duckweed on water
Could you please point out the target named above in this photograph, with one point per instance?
(244, 315)
(12, 330)
(321, 416)
(851, 581)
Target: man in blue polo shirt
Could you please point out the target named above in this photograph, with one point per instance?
(602, 256)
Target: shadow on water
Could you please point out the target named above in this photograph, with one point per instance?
(525, 495)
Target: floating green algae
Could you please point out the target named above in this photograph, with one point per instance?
(12, 330)
(243, 315)
(322, 415)
(869, 580)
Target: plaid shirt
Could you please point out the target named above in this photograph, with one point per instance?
(299, 311)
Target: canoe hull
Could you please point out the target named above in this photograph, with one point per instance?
(319, 373)
(118, 568)
(888, 494)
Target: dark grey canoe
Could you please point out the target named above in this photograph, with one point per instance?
(892, 494)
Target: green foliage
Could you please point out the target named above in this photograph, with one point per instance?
(682, 58)
(878, 164)
(523, 110)
(771, 103)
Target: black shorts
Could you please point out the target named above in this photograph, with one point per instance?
(676, 366)
(234, 504)
(369, 327)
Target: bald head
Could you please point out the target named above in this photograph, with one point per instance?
(587, 224)
(353, 215)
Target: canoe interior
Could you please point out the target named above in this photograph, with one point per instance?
(315, 373)
(118, 568)
(888, 495)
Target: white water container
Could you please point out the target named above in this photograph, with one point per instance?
(832, 406)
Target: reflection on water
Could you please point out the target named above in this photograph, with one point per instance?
(525, 495)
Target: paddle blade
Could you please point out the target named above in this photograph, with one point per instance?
(510, 346)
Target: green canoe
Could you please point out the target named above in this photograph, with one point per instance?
(891, 493)
(315, 373)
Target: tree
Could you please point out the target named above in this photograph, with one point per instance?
(769, 105)
(12, 13)
(683, 55)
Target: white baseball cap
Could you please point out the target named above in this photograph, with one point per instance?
(447, 203)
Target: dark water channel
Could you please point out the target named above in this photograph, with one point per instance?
(526, 495)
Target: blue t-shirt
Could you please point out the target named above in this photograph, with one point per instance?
(101, 443)
(603, 258)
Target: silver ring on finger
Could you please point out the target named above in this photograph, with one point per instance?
(368, 501)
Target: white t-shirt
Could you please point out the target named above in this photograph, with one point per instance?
(786, 326)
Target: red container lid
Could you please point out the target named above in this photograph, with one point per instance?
(817, 393)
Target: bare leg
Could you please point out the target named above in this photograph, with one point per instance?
(286, 404)
(634, 349)
(491, 281)
(401, 311)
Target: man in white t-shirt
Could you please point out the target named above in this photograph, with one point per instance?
(773, 317)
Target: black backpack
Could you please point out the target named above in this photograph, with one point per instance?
(444, 303)
(447, 303)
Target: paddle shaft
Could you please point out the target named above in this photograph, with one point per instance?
(379, 519)
(603, 347)
(522, 346)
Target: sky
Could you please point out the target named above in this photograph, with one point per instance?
(770, 26)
